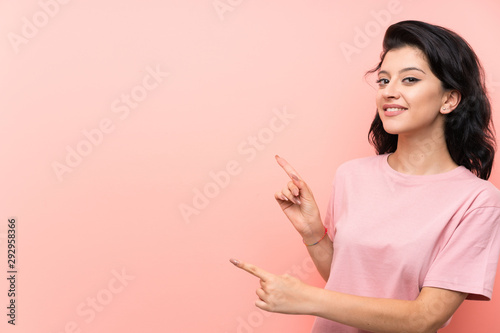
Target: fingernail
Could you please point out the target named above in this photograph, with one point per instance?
(276, 156)
(295, 177)
(234, 262)
(297, 201)
(296, 192)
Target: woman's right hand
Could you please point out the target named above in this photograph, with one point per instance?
(297, 202)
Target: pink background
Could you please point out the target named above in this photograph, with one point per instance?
(210, 126)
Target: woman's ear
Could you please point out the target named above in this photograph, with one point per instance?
(451, 100)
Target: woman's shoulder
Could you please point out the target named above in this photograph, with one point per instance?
(488, 195)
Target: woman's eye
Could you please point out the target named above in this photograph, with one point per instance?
(410, 79)
(382, 82)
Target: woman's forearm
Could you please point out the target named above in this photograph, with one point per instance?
(322, 252)
(427, 313)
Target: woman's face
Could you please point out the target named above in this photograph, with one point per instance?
(410, 96)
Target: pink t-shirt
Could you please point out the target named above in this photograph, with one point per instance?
(395, 233)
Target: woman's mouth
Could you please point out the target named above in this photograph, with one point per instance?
(393, 110)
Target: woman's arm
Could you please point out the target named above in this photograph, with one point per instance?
(429, 312)
(286, 294)
(298, 203)
(321, 253)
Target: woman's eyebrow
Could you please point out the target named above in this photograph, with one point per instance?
(404, 70)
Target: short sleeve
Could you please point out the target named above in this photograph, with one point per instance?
(468, 261)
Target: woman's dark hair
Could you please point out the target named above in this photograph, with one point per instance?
(469, 131)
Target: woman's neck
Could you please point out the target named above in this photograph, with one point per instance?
(422, 156)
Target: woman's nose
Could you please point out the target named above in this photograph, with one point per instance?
(391, 90)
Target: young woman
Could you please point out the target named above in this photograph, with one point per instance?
(412, 232)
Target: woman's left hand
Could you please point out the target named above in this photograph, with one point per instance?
(283, 294)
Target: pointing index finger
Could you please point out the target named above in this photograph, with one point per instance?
(291, 172)
(252, 269)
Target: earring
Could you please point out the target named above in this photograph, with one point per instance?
(445, 108)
